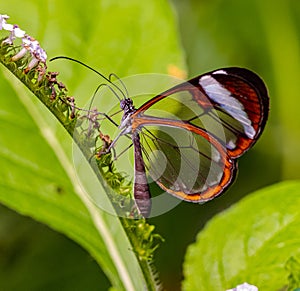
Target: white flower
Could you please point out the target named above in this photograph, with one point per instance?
(29, 44)
(18, 32)
(244, 287)
(19, 55)
(35, 49)
(3, 23)
(34, 62)
(7, 26)
(40, 54)
(14, 29)
(15, 32)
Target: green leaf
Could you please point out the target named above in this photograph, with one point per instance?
(37, 177)
(250, 242)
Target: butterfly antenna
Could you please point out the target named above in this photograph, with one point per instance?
(98, 88)
(122, 83)
(95, 71)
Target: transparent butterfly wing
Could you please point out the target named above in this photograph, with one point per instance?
(192, 133)
(188, 164)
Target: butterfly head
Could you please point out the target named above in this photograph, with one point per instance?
(127, 106)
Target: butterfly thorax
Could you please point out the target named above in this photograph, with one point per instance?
(128, 109)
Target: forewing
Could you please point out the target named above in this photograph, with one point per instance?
(231, 104)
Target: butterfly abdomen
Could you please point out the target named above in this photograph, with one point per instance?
(141, 189)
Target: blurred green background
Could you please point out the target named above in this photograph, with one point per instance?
(260, 35)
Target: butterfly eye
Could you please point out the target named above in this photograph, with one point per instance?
(122, 104)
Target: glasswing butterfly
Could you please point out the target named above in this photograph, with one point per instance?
(188, 138)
